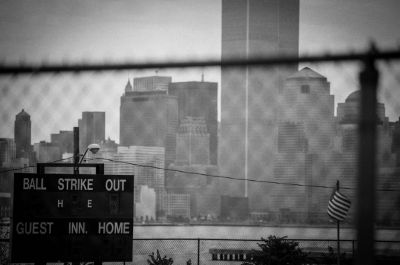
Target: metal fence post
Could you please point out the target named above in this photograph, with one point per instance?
(367, 162)
(76, 150)
(198, 251)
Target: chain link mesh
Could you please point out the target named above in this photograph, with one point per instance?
(281, 140)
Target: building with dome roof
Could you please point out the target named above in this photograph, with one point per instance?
(348, 112)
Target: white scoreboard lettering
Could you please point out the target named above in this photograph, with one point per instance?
(34, 228)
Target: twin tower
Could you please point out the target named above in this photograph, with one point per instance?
(249, 105)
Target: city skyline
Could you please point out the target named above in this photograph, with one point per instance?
(42, 34)
(317, 153)
(302, 143)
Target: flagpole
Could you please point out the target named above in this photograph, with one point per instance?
(338, 231)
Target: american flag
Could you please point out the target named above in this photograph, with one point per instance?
(338, 206)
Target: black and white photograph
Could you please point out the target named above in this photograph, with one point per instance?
(200, 132)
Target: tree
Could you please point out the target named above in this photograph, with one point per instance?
(277, 251)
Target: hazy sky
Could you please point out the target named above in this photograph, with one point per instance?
(99, 30)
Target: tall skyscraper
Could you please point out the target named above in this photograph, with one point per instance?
(199, 99)
(306, 131)
(92, 128)
(252, 28)
(22, 134)
(149, 118)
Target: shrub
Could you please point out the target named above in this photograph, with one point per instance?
(158, 260)
(277, 251)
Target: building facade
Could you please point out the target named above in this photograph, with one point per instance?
(204, 191)
(150, 83)
(22, 134)
(176, 205)
(145, 203)
(253, 28)
(146, 163)
(92, 128)
(65, 141)
(46, 152)
(199, 99)
(7, 151)
(149, 118)
(192, 142)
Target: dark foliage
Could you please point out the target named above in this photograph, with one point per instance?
(278, 251)
(158, 260)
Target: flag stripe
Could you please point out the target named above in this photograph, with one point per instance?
(346, 202)
(335, 216)
(337, 213)
(338, 206)
(341, 196)
(335, 209)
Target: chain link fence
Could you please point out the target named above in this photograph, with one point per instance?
(243, 142)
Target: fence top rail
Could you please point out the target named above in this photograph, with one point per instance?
(25, 68)
(256, 240)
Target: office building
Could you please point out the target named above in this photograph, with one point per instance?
(253, 28)
(192, 142)
(145, 203)
(46, 152)
(199, 99)
(22, 134)
(146, 163)
(150, 83)
(65, 141)
(348, 118)
(176, 205)
(92, 128)
(149, 118)
(204, 191)
(7, 151)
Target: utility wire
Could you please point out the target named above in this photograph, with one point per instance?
(206, 175)
(232, 178)
(21, 168)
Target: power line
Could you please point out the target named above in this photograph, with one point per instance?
(25, 167)
(232, 178)
(207, 175)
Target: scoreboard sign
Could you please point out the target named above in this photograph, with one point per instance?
(60, 217)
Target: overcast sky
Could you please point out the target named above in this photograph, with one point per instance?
(97, 30)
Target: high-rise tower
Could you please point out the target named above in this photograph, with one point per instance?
(22, 134)
(199, 99)
(92, 128)
(149, 118)
(252, 28)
